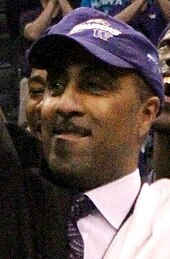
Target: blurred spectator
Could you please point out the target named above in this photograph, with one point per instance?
(36, 88)
(147, 16)
(162, 124)
(21, 6)
(33, 23)
(152, 19)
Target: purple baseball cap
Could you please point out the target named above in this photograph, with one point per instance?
(106, 38)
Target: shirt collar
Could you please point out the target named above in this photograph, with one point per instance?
(114, 200)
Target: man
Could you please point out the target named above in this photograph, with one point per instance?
(33, 23)
(28, 147)
(162, 124)
(103, 93)
(36, 88)
(147, 16)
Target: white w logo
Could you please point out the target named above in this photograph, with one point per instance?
(103, 35)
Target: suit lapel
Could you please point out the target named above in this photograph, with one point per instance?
(48, 210)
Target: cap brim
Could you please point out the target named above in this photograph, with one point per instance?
(55, 46)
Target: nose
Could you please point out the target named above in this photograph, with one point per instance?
(70, 103)
(39, 106)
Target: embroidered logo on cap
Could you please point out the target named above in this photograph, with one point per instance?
(101, 29)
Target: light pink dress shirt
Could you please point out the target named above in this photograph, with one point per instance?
(113, 201)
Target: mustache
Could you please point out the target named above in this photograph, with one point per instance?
(66, 126)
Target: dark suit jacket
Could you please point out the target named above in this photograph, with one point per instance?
(33, 211)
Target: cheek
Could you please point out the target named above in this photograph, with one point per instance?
(30, 108)
(108, 110)
(114, 119)
(32, 112)
(100, 109)
(48, 111)
(47, 118)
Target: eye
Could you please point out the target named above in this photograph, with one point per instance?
(36, 90)
(97, 85)
(56, 88)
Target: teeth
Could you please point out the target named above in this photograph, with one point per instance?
(166, 80)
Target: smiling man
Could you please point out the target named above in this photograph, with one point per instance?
(91, 94)
(80, 137)
(104, 90)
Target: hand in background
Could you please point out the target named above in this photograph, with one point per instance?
(54, 4)
(144, 6)
(65, 7)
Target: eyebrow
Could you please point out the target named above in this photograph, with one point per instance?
(36, 79)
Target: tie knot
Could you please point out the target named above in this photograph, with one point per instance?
(82, 206)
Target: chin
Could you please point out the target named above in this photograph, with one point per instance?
(70, 174)
(63, 176)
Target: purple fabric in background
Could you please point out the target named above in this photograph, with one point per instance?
(150, 22)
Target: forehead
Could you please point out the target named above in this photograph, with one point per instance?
(38, 73)
(37, 78)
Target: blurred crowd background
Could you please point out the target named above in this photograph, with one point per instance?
(10, 51)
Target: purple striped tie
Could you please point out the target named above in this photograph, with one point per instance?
(81, 207)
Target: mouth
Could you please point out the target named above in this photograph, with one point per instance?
(71, 131)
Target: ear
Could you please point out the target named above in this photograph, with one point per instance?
(149, 109)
